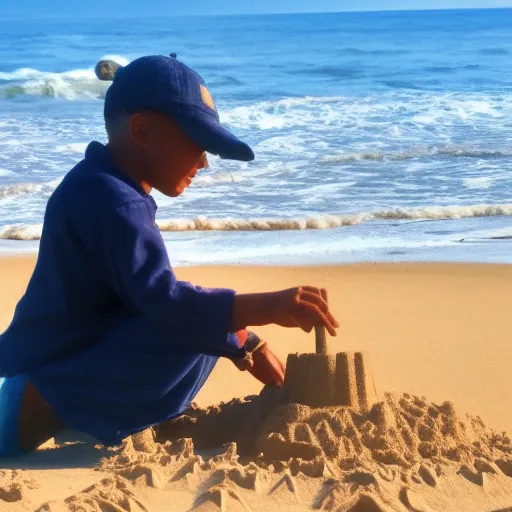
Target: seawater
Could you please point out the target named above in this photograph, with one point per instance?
(378, 136)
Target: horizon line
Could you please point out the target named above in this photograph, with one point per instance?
(183, 15)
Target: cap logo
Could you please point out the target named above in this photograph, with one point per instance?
(207, 97)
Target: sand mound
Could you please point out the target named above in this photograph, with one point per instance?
(401, 431)
(260, 454)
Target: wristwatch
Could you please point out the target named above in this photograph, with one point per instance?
(251, 346)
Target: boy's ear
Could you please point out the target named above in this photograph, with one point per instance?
(138, 128)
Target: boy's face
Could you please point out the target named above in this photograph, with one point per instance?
(171, 159)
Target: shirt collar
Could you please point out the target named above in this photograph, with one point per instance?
(98, 152)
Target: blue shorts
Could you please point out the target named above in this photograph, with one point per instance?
(12, 390)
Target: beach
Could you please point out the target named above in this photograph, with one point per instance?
(382, 173)
(438, 331)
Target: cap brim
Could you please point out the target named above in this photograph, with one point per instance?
(214, 138)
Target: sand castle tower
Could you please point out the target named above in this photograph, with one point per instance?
(323, 380)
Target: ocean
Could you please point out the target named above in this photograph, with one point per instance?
(383, 136)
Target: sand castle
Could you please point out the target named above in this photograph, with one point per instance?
(323, 380)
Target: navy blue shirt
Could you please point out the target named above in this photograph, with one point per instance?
(102, 262)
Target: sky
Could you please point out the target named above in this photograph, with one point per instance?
(51, 8)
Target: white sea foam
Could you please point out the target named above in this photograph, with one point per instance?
(455, 151)
(33, 231)
(21, 74)
(21, 232)
(59, 86)
(21, 189)
(34, 74)
(74, 147)
(482, 182)
(423, 110)
(70, 85)
(284, 113)
(209, 180)
(286, 144)
(333, 221)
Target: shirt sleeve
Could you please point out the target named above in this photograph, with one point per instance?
(138, 269)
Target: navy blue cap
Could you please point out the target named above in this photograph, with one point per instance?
(166, 85)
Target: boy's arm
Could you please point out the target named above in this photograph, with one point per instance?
(134, 260)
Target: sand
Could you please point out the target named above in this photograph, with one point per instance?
(435, 331)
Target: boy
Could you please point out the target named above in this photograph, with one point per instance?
(106, 339)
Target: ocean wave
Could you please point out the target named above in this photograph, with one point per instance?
(21, 189)
(205, 180)
(70, 85)
(73, 147)
(406, 111)
(481, 182)
(455, 151)
(220, 178)
(21, 232)
(303, 111)
(202, 223)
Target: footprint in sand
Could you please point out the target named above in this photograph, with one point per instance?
(12, 484)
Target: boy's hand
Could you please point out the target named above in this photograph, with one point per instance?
(304, 307)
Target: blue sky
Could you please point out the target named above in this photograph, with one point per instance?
(182, 7)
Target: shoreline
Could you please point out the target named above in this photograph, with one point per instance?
(289, 262)
(469, 240)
